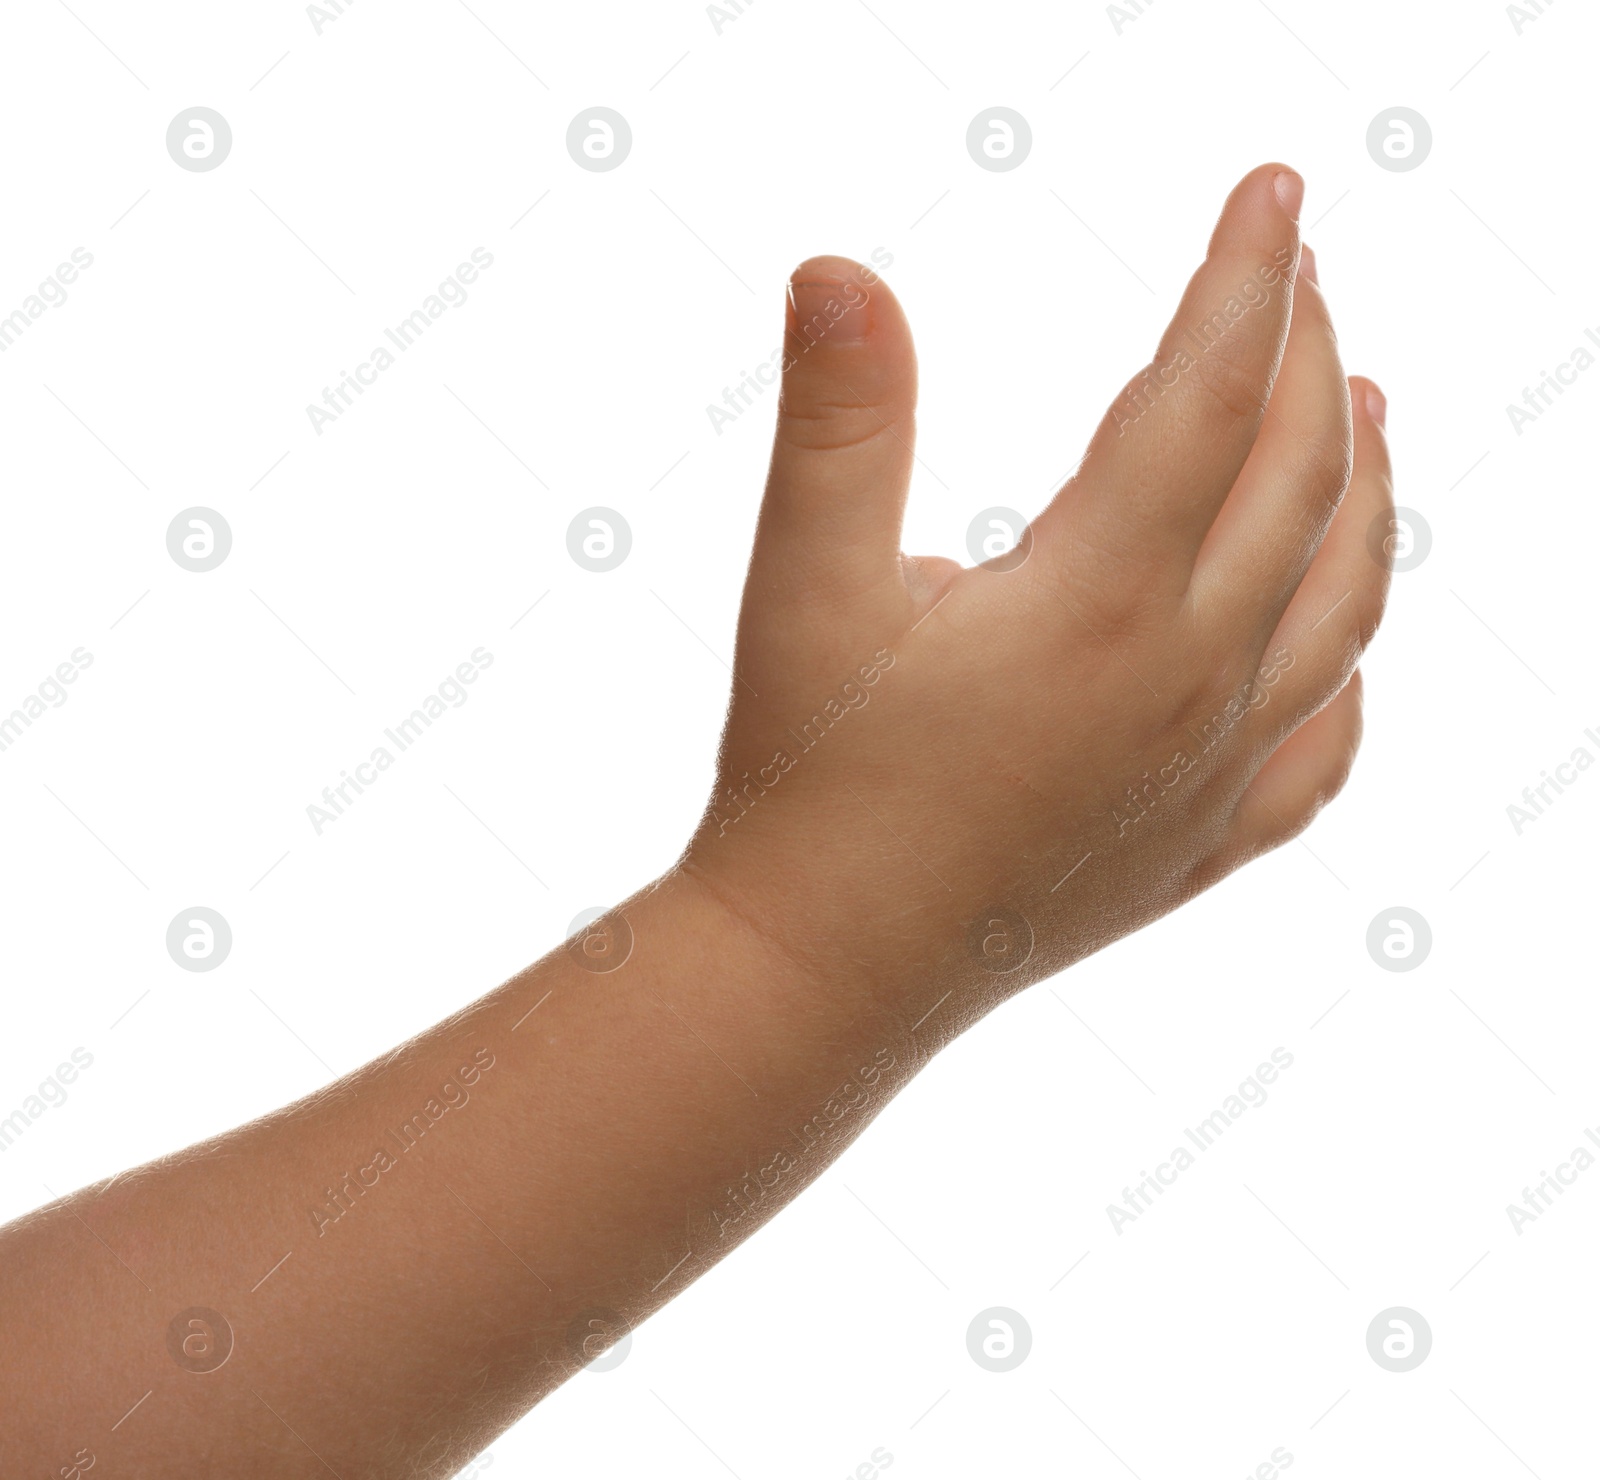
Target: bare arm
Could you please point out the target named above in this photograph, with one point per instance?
(936, 786)
(450, 1232)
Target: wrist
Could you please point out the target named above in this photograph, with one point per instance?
(886, 935)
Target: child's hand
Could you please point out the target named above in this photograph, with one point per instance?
(935, 776)
(949, 782)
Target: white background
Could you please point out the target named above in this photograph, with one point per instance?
(367, 163)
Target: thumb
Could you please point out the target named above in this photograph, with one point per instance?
(841, 458)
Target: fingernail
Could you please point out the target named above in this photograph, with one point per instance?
(1290, 190)
(833, 311)
(1308, 264)
(1377, 405)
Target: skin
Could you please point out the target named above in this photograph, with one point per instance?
(1042, 759)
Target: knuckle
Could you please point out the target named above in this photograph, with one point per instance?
(1327, 467)
(1197, 688)
(1119, 622)
(1229, 374)
(815, 424)
(1298, 820)
(1210, 869)
(1300, 817)
(1210, 702)
(1106, 590)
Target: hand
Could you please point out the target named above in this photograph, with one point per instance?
(958, 781)
(935, 777)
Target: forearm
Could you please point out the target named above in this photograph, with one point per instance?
(936, 786)
(433, 1243)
